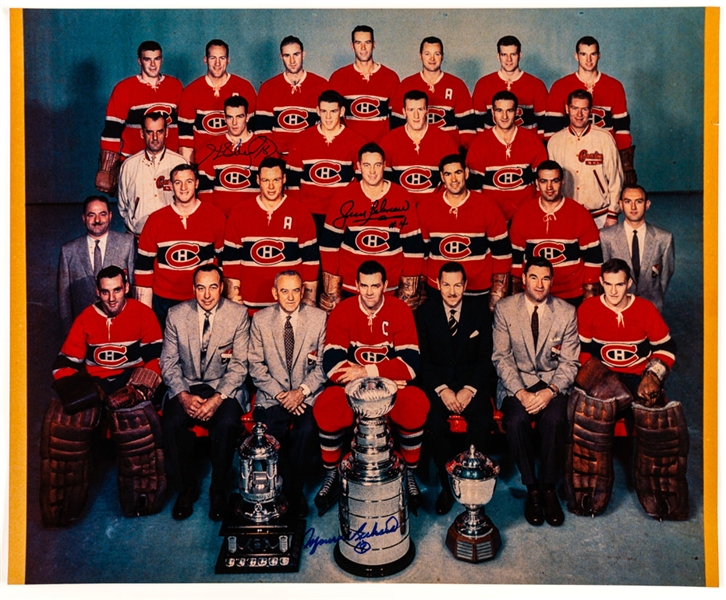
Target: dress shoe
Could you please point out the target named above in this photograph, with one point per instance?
(533, 508)
(184, 505)
(217, 505)
(444, 502)
(329, 492)
(302, 507)
(552, 509)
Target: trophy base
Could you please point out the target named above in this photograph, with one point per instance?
(248, 547)
(473, 548)
(374, 570)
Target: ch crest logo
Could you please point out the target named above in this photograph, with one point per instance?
(416, 179)
(164, 109)
(372, 241)
(268, 252)
(619, 354)
(235, 178)
(214, 123)
(365, 107)
(597, 116)
(182, 255)
(370, 355)
(325, 172)
(518, 120)
(293, 119)
(552, 251)
(509, 178)
(436, 116)
(110, 355)
(455, 247)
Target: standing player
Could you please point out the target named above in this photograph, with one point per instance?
(367, 87)
(450, 101)
(465, 227)
(201, 113)
(287, 102)
(131, 99)
(609, 106)
(503, 159)
(267, 235)
(371, 219)
(413, 151)
(370, 335)
(530, 91)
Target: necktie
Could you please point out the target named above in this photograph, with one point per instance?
(636, 255)
(206, 334)
(453, 323)
(97, 259)
(535, 325)
(289, 343)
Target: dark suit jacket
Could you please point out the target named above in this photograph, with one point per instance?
(76, 285)
(464, 359)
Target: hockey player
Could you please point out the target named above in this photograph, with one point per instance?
(144, 185)
(110, 359)
(201, 112)
(609, 106)
(367, 87)
(174, 242)
(370, 335)
(463, 226)
(413, 151)
(558, 229)
(450, 100)
(266, 235)
(370, 219)
(231, 168)
(131, 99)
(627, 354)
(323, 158)
(529, 90)
(287, 102)
(593, 174)
(504, 158)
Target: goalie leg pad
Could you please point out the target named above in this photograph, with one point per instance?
(661, 457)
(136, 431)
(65, 453)
(589, 458)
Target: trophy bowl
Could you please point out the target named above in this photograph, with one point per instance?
(473, 478)
(371, 397)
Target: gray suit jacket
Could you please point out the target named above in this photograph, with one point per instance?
(518, 363)
(225, 367)
(76, 285)
(268, 368)
(656, 264)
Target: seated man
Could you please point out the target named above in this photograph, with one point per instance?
(535, 355)
(370, 335)
(286, 366)
(110, 358)
(455, 337)
(627, 354)
(204, 364)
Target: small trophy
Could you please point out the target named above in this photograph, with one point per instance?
(472, 536)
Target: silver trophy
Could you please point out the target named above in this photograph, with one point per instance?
(373, 512)
(472, 536)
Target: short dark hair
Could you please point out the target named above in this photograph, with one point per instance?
(183, 167)
(148, 46)
(270, 162)
(216, 42)
(634, 186)
(587, 40)
(362, 29)
(538, 261)
(110, 272)
(505, 95)
(509, 40)
(431, 40)
(453, 267)
(550, 165)
(371, 267)
(580, 94)
(291, 39)
(287, 273)
(154, 116)
(371, 147)
(616, 265)
(451, 159)
(208, 268)
(331, 96)
(96, 198)
(415, 95)
(237, 102)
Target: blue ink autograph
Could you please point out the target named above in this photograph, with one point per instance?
(359, 536)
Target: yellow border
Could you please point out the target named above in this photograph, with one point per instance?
(18, 313)
(710, 295)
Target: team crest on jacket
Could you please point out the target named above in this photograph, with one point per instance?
(268, 251)
(509, 178)
(373, 241)
(235, 178)
(163, 183)
(214, 123)
(416, 179)
(325, 172)
(365, 107)
(370, 355)
(109, 355)
(436, 116)
(182, 255)
(620, 354)
(552, 251)
(455, 247)
(590, 158)
(293, 119)
(164, 109)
